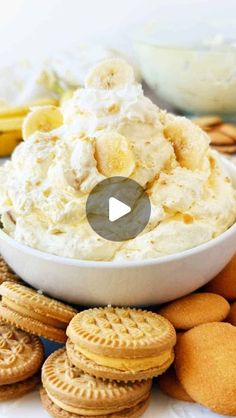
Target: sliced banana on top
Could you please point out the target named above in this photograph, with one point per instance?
(109, 74)
(43, 119)
(113, 155)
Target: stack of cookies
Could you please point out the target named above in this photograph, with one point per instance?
(205, 363)
(111, 356)
(107, 366)
(69, 392)
(24, 312)
(33, 312)
(222, 134)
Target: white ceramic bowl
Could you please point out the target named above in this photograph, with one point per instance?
(122, 283)
(191, 70)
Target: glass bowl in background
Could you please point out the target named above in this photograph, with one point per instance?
(191, 67)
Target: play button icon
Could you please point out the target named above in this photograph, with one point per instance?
(118, 209)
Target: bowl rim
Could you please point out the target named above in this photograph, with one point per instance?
(183, 48)
(119, 264)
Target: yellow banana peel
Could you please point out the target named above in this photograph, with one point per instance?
(15, 111)
(11, 121)
(44, 101)
(8, 142)
(6, 112)
(11, 124)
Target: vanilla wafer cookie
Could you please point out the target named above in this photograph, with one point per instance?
(206, 366)
(225, 149)
(121, 343)
(228, 129)
(170, 385)
(21, 354)
(207, 121)
(232, 314)
(6, 274)
(69, 391)
(195, 309)
(219, 138)
(224, 283)
(35, 313)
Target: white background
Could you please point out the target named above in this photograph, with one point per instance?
(36, 27)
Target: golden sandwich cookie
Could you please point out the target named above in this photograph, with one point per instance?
(69, 392)
(224, 283)
(34, 313)
(231, 318)
(206, 366)
(196, 309)
(121, 343)
(21, 357)
(6, 274)
(171, 386)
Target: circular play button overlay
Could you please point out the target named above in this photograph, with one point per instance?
(118, 209)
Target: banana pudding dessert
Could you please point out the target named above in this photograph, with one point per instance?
(109, 128)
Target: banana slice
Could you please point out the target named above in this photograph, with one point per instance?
(109, 74)
(43, 119)
(114, 156)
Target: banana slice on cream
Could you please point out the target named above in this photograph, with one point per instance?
(109, 74)
(113, 155)
(42, 119)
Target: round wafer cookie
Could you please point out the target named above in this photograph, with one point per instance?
(122, 332)
(109, 373)
(16, 390)
(224, 283)
(57, 412)
(220, 138)
(47, 307)
(68, 386)
(6, 274)
(35, 313)
(206, 366)
(228, 129)
(206, 121)
(226, 149)
(196, 309)
(21, 355)
(170, 385)
(31, 326)
(232, 314)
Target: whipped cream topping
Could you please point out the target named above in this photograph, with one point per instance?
(46, 183)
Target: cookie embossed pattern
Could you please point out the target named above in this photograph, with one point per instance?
(21, 357)
(121, 344)
(35, 313)
(66, 388)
